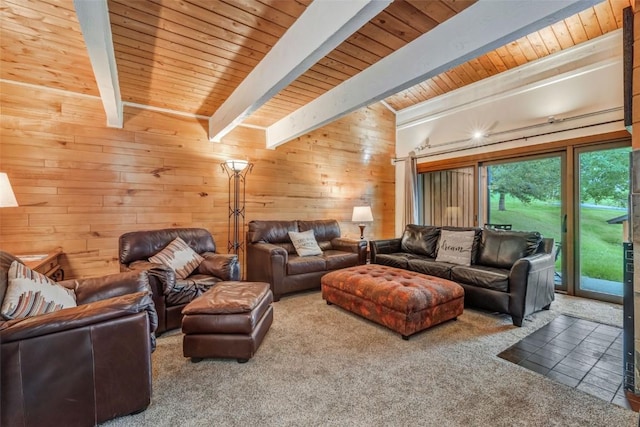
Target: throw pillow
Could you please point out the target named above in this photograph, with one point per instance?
(179, 256)
(30, 293)
(305, 243)
(455, 247)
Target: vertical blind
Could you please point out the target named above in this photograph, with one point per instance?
(448, 197)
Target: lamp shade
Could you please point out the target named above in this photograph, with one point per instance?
(362, 214)
(237, 165)
(7, 198)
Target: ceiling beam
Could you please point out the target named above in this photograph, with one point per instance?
(96, 29)
(482, 27)
(319, 30)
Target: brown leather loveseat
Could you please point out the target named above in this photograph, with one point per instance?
(83, 365)
(272, 258)
(170, 294)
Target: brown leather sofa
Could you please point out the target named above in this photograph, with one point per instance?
(272, 258)
(83, 365)
(511, 272)
(171, 295)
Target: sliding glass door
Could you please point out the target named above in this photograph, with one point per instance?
(578, 196)
(601, 220)
(526, 195)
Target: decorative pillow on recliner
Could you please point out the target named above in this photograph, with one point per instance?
(455, 247)
(305, 243)
(30, 293)
(179, 256)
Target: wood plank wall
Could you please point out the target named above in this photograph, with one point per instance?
(80, 185)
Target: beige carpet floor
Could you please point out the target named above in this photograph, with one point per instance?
(322, 366)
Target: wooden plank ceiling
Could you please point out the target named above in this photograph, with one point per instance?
(190, 55)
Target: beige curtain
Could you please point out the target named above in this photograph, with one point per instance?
(410, 190)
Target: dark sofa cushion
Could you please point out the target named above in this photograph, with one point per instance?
(324, 229)
(339, 259)
(496, 279)
(307, 264)
(501, 249)
(399, 259)
(271, 231)
(420, 240)
(430, 267)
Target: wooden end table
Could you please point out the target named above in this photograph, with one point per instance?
(47, 264)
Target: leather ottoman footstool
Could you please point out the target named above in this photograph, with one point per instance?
(404, 301)
(230, 320)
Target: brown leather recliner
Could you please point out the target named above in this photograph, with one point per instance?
(171, 295)
(272, 258)
(83, 365)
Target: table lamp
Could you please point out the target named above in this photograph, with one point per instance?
(362, 214)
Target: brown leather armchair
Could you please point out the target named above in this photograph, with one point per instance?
(171, 295)
(272, 258)
(83, 365)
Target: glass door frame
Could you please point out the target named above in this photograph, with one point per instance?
(574, 223)
(483, 192)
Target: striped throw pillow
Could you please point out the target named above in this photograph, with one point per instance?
(178, 256)
(30, 293)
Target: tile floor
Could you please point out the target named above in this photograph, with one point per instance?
(579, 353)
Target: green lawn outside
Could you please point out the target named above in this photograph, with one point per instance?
(601, 243)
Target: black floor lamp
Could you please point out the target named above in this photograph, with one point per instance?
(237, 171)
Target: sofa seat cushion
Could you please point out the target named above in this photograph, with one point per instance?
(307, 264)
(339, 259)
(496, 279)
(430, 267)
(398, 259)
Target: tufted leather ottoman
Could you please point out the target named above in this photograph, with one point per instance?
(230, 320)
(404, 301)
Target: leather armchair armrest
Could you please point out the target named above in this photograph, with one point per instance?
(386, 246)
(270, 250)
(531, 285)
(80, 316)
(351, 245)
(267, 263)
(100, 288)
(161, 277)
(224, 266)
(348, 245)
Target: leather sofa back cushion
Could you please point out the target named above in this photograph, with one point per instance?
(501, 249)
(420, 240)
(141, 245)
(325, 229)
(271, 231)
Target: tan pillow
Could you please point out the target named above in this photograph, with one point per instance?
(455, 247)
(178, 256)
(305, 243)
(30, 293)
